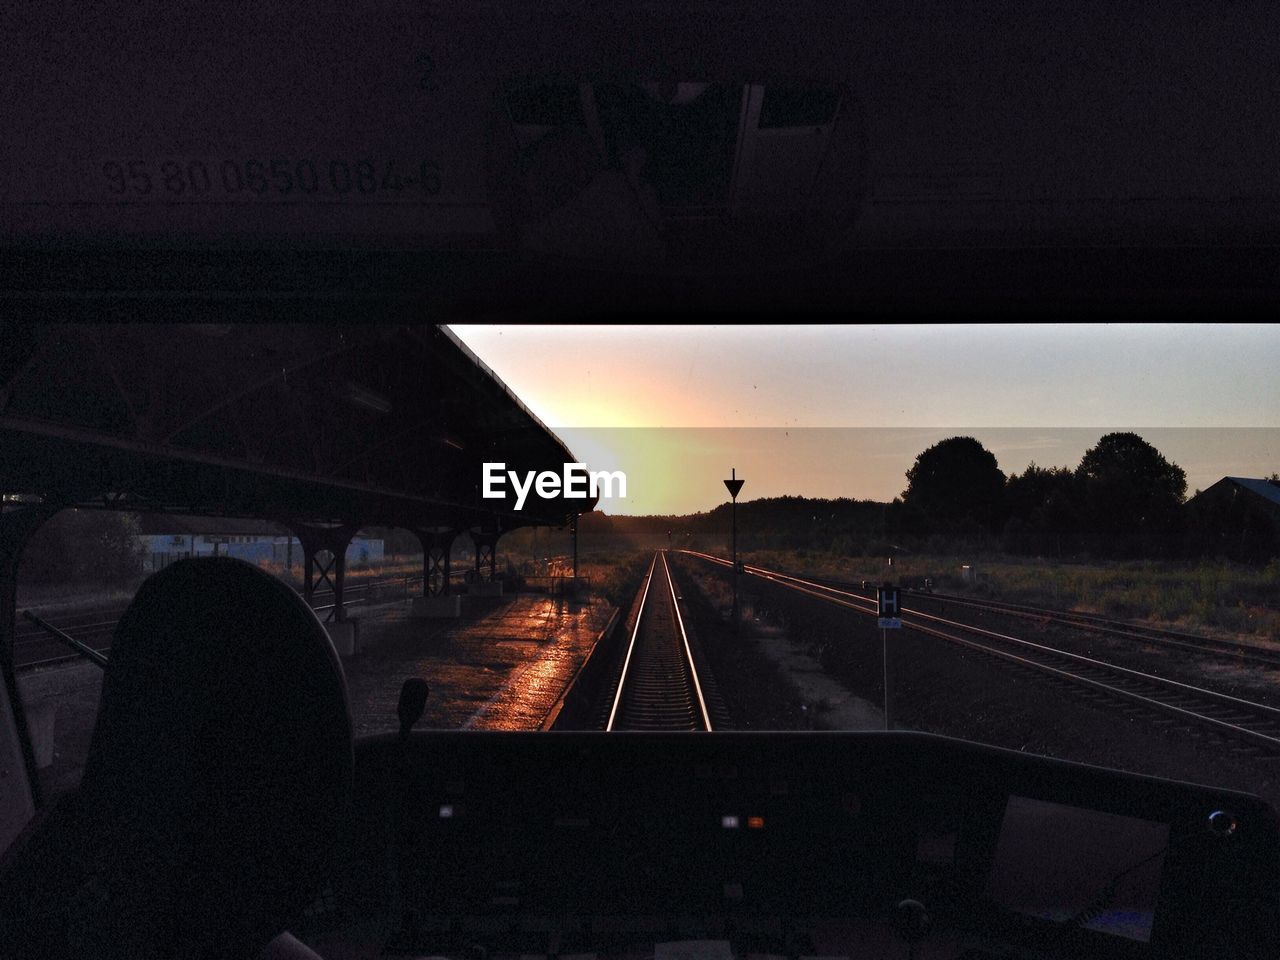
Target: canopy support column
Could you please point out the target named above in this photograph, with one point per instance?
(437, 547)
(18, 523)
(319, 570)
(573, 532)
(486, 543)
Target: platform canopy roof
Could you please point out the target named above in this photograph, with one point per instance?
(317, 422)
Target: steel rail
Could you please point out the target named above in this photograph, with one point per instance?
(82, 649)
(66, 626)
(1107, 626)
(684, 639)
(1221, 700)
(1094, 623)
(631, 646)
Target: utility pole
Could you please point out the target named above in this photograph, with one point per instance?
(573, 530)
(889, 617)
(734, 485)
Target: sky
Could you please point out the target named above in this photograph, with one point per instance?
(844, 410)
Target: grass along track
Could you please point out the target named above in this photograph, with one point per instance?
(1250, 728)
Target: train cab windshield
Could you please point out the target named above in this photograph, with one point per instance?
(385, 573)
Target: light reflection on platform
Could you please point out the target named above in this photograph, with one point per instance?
(502, 666)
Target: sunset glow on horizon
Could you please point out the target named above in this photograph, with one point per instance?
(831, 411)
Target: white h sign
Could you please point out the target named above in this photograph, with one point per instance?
(887, 609)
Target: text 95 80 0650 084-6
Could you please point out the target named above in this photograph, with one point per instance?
(266, 180)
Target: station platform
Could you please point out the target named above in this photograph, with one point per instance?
(501, 666)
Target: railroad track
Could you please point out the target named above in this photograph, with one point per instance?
(1249, 727)
(658, 687)
(1106, 626)
(1156, 636)
(33, 647)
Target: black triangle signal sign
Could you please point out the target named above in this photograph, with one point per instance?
(734, 486)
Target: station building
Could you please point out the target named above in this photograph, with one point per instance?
(1237, 518)
(168, 538)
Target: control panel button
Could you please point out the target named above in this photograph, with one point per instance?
(1223, 823)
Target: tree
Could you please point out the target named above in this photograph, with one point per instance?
(1133, 497)
(1044, 507)
(955, 480)
(83, 546)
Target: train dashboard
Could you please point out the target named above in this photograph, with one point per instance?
(826, 844)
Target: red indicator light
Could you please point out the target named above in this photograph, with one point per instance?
(755, 823)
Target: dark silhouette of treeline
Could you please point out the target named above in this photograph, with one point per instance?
(1124, 500)
(848, 526)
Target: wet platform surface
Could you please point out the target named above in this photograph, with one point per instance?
(501, 666)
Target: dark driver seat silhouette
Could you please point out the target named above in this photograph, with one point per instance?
(217, 783)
